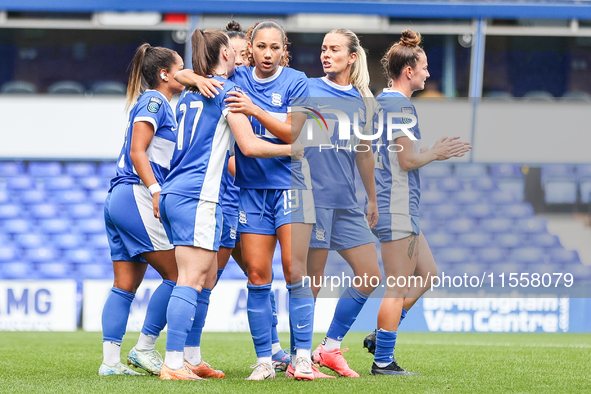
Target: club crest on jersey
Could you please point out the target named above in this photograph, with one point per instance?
(233, 232)
(407, 110)
(276, 99)
(154, 105)
(361, 114)
(320, 234)
(242, 217)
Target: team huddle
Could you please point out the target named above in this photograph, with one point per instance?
(236, 169)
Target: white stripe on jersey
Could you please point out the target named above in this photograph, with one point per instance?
(280, 116)
(153, 227)
(306, 173)
(160, 151)
(399, 193)
(146, 119)
(205, 222)
(210, 189)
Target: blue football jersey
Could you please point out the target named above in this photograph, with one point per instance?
(332, 169)
(398, 191)
(274, 96)
(231, 195)
(152, 107)
(201, 155)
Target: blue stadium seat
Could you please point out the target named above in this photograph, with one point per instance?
(436, 170)
(59, 183)
(509, 177)
(559, 183)
(445, 211)
(490, 255)
(584, 179)
(98, 241)
(460, 226)
(7, 254)
(91, 226)
(68, 241)
(54, 271)
(467, 197)
(10, 211)
(108, 169)
(531, 226)
(541, 269)
(470, 269)
(82, 211)
(508, 240)
(233, 271)
(55, 226)
(31, 240)
(543, 240)
(33, 196)
(579, 272)
(5, 240)
(528, 255)
(475, 240)
(71, 197)
(66, 87)
(16, 226)
(80, 169)
(479, 211)
(450, 184)
(91, 271)
(471, 170)
(496, 225)
(98, 197)
(80, 256)
(18, 183)
(485, 184)
(40, 255)
(500, 197)
(102, 256)
(109, 88)
(11, 168)
(559, 255)
(93, 182)
(39, 169)
(17, 270)
(515, 211)
(428, 226)
(440, 240)
(151, 273)
(4, 197)
(43, 211)
(433, 197)
(454, 255)
(18, 87)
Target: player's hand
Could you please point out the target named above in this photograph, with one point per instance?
(207, 86)
(372, 213)
(446, 148)
(239, 102)
(156, 204)
(297, 151)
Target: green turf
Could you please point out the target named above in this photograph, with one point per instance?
(462, 363)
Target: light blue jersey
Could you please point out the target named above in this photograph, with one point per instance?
(231, 195)
(332, 169)
(201, 155)
(152, 107)
(398, 191)
(274, 95)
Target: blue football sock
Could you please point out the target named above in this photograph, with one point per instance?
(402, 316)
(292, 347)
(156, 314)
(385, 343)
(274, 334)
(220, 272)
(346, 312)
(180, 316)
(194, 337)
(301, 311)
(260, 318)
(115, 315)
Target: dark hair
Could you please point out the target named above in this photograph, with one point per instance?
(233, 29)
(206, 46)
(403, 53)
(146, 64)
(267, 24)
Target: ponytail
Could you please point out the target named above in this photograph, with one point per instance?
(206, 47)
(359, 74)
(402, 54)
(145, 66)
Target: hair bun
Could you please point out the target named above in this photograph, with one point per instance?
(410, 39)
(233, 26)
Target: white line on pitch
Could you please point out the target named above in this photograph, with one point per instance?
(505, 344)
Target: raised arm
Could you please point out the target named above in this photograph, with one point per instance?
(207, 86)
(445, 148)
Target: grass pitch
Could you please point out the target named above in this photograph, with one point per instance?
(33, 362)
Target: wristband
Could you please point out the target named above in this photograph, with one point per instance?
(155, 188)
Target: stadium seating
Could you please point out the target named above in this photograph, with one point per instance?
(559, 183)
(18, 87)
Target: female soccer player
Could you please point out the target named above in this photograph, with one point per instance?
(190, 196)
(272, 201)
(404, 249)
(136, 236)
(340, 223)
